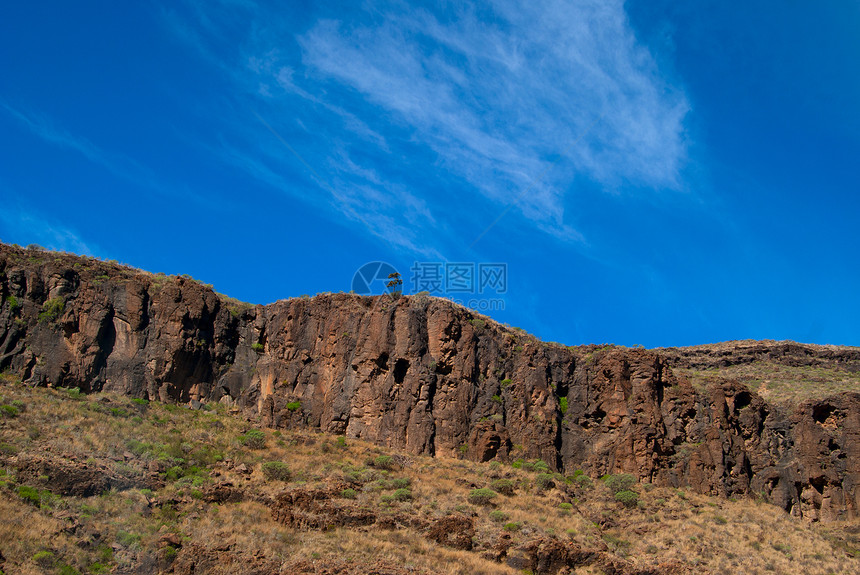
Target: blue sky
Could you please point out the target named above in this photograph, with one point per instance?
(651, 172)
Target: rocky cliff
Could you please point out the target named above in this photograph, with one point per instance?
(422, 375)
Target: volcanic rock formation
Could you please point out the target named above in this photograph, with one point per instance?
(425, 376)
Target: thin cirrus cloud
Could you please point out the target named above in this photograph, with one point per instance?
(501, 94)
(507, 102)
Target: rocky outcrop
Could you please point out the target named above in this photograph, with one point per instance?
(549, 556)
(65, 477)
(789, 353)
(421, 375)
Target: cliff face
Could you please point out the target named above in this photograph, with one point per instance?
(422, 375)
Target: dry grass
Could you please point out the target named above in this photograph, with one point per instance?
(780, 384)
(117, 529)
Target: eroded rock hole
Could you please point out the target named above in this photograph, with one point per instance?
(382, 361)
(401, 366)
(820, 413)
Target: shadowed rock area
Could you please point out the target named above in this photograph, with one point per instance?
(423, 375)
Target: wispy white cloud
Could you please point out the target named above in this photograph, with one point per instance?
(498, 95)
(388, 211)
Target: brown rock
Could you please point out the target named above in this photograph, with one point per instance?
(315, 509)
(454, 531)
(65, 477)
(171, 539)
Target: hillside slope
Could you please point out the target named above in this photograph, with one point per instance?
(424, 376)
(103, 483)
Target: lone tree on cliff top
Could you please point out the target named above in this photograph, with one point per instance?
(394, 283)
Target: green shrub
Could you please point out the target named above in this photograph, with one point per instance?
(402, 494)
(497, 398)
(517, 464)
(258, 347)
(44, 559)
(294, 405)
(506, 382)
(66, 569)
(541, 466)
(9, 410)
(615, 542)
(39, 498)
(276, 470)
(584, 481)
(562, 404)
(565, 506)
(341, 442)
(13, 302)
(105, 553)
(52, 309)
(503, 486)
(627, 498)
(140, 401)
(383, 462)
(29, 495)
(74, 392)
(173, 473)
(348, 494)
(482, 496)
(513, 526)
(621, 482)
(401, 482)
(498, 516)
(544, 481)
(127, 539)
(254, 439)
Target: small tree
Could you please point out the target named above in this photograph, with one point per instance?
(394, 284)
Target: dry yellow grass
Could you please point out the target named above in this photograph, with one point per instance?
(194, 449)
(780, 384)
